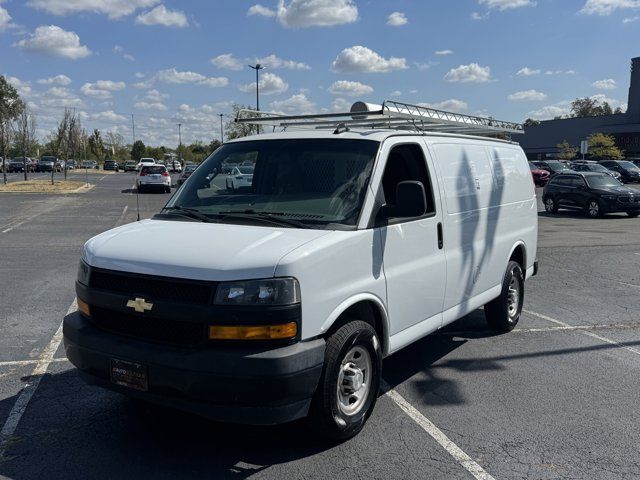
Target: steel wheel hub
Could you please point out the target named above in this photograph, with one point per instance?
(354, 380)
(513, 297)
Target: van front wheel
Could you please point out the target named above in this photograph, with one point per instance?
(503, 313)
(348, 387)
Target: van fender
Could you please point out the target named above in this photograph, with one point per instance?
(351, 301)
(519, 243)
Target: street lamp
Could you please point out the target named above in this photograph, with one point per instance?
(179, 142)
(221, 129)
(257, 67)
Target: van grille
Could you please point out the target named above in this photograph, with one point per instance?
(152, 287)
(160, 330)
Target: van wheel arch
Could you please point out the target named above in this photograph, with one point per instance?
(366, 311)
(519, 255)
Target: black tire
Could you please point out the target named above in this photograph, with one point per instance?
(500, 313)
(326, 416)
(593, 208)
(550, 205)
(167, 189)
(633, 214)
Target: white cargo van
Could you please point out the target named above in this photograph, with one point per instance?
(352, 241)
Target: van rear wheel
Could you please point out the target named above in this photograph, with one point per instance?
(348, 388)
(503, 313)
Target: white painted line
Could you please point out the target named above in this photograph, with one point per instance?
(604, 326)
(584, 332)
(452, 449)
(13, 224)
(45, 358)
(23, 363)
(124, 212)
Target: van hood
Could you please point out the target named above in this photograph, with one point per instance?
(194, 250)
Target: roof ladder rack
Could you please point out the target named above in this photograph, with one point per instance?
(392, 115)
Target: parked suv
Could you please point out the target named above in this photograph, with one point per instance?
(591, 192)
(288, 293)
(153, 177)
(594, 167)
(111, 165)
(47, 164)
(552, 166)
(627, 170)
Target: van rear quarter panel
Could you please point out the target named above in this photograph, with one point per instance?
(490, 208)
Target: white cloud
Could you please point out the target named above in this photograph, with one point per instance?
(479, 16)
(472, 73)
(109, 116)
(316, 13)
(607, 7)
(630, 19)
(395, 93)
(160, 15)
(57, 80)
(607, 84)
(172, 75)
(53, 40)
(59, 92)
(551, 111)
(560, 72)
(444, 52)
(272, 61)
(227, 61)
(120, 50)
(527, 96)
(5, 19)
(424, 65)
(261, 10)
(112, 8)
(143, 105)
(527, 72)
(341, 105)
(22, 87)
(452, 105)
(506, 4)
(270, 83)
(155, 96)
(296, 104)
(397, 19)
(359, 59)
(354, 89)
(102, 89)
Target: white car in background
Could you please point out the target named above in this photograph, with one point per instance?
(239, 177)
(145, 161)
(175, 166)
(154, 177)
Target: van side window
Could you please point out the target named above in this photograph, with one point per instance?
(406, 162)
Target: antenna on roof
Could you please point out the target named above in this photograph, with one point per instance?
(341, 128)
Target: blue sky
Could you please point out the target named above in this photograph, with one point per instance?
(169, 61)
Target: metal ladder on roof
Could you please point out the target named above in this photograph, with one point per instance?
(392, 115)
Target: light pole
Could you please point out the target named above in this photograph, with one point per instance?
(221, 129)
(180, 142)
(257, 67)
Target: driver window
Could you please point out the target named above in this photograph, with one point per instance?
(406, 162)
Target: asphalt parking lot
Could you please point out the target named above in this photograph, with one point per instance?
(556, 398)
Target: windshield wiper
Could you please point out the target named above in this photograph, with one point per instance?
(191, 213)
(271, 217)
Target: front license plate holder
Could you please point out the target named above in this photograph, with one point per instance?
(129, 374)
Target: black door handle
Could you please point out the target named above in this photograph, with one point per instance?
(440, 239)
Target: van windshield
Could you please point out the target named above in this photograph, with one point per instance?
(312, 181)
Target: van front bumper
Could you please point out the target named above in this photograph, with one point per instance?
(259, 386)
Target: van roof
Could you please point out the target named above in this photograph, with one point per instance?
(378, 135)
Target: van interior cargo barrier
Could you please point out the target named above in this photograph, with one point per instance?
(390, 115)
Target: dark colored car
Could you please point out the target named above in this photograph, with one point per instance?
(594, 167)
(47, 164)
(552, 166)
(627, 170)
(92, 164)
(71, 164)
(111, 165)
(592, 192)
(186, 173)
(540, 177)
(17, 165)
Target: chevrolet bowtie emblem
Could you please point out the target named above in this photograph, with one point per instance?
(140, 305)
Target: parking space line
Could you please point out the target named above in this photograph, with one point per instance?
(45, 358)
(584, 332)
(23, 363)
(604, 326)
(438, 435)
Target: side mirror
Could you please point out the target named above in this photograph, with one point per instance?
(411, 201)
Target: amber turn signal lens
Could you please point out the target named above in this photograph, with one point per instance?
(84, 308)
(253, 332)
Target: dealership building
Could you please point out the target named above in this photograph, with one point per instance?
(541, 141)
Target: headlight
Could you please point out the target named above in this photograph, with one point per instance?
(83, 273)
(609, 197)
(272, 291)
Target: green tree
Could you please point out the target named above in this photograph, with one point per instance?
(566, 151)
(530, 122)
(214, 145)
(602, 146)
(11, 107)
(585, 107)
(96, 145)
(238, 130)
(137, 150)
